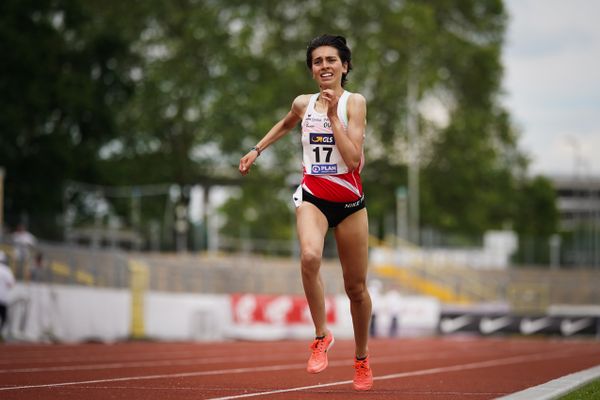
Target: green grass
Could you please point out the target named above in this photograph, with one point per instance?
(590, 391)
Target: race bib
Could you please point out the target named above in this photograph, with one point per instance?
(321, 155)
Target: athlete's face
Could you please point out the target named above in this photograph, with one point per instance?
(327, 66)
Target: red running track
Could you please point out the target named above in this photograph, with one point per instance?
(432, 368)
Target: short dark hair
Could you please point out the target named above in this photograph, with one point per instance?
(339, 42)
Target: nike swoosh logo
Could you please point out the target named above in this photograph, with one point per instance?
(449, 325)
(568, 327)
(529, 326)
(490, 325)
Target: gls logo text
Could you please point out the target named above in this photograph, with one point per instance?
(322, 138)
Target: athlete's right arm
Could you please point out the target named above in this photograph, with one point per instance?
(279, 130)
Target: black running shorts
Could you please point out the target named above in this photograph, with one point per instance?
(334, 212)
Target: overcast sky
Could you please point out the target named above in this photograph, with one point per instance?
(552, 83)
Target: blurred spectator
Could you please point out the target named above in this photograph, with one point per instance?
(24, 243)
(375, 288)
(7, 281)
(38, 270)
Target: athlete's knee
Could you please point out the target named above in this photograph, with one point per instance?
(311, 261)
(356, 291)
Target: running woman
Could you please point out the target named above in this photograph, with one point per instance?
(330, 195)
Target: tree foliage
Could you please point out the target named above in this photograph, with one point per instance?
(63, 78)
(152, 91)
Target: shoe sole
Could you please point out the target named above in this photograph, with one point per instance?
(326, 359)
(364, 389)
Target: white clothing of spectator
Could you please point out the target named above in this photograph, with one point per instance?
(7, 281)
(24, 243)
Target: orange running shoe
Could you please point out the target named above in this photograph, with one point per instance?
(318, 359)
(363, 376)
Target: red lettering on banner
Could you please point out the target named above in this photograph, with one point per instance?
(277, 310)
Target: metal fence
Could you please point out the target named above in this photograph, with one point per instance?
(248, 272)
(199, 273)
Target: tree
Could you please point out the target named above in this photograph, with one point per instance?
(149, 92)
(536, 219)
(62, 79)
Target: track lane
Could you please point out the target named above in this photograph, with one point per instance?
(407, 368)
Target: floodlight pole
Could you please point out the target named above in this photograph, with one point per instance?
(413, 164)
(401, 211)
(555, 251)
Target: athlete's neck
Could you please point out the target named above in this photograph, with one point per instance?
(321, 102)
(338, 91)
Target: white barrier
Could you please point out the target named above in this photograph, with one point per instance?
(186, 316)
(44, 313)
(397, 315)
(41, 312)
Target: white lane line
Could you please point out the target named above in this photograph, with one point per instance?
(46, 358)
(41, 356)
(151, 363)
(283, 367)
(556, 387)
(211, 360)
(429, 371)
(53, 357)
(162, 376)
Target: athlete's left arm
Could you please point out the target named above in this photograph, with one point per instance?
(350, 145)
